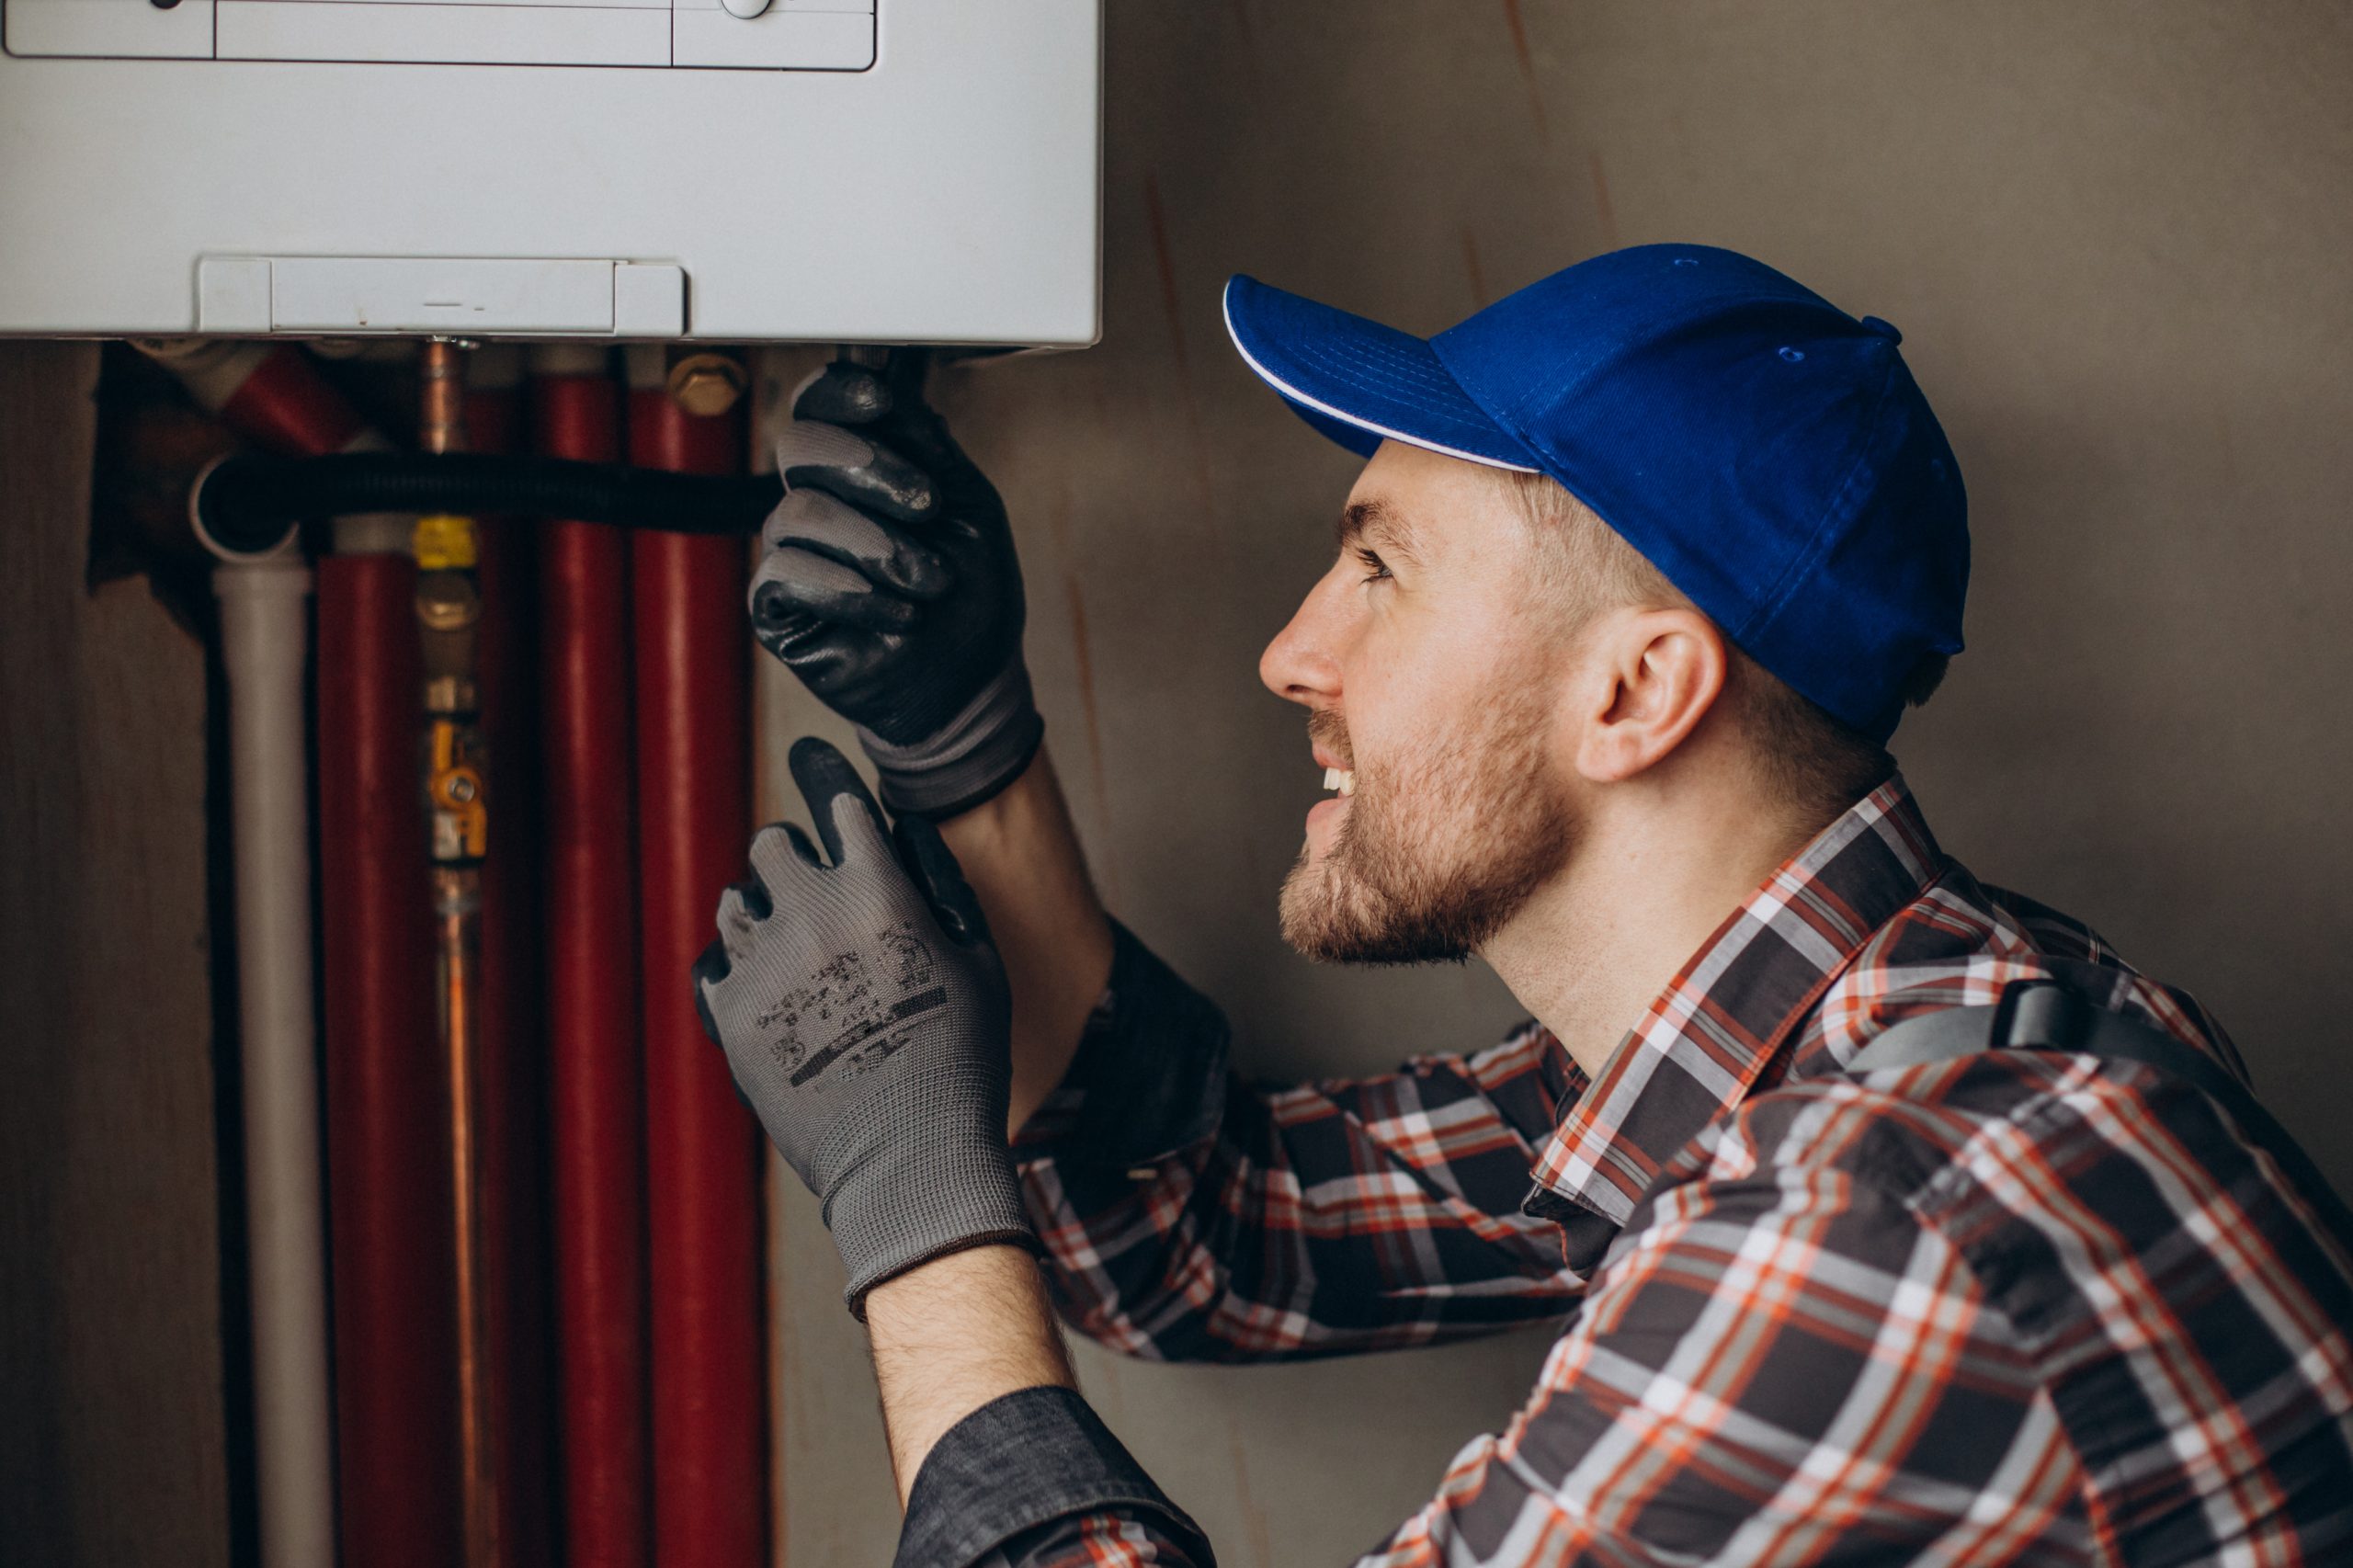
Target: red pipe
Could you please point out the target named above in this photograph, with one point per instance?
(703, 1164)
(388, 1181)
(285, 404)
(511, 1089)
(271, 393)
(596, 1072)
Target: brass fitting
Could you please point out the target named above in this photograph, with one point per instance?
(707, 384)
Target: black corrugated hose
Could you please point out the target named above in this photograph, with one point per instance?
(248, 503)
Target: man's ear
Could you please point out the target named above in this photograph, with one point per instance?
(1652, 676)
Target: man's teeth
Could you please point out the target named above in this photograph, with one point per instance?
(1344, 779)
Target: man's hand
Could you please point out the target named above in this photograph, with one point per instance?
(864, 1014)
(890, 588)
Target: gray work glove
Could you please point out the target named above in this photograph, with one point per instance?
(864, 1014)
(890, 588)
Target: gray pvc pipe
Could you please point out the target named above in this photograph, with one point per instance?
(263, 637)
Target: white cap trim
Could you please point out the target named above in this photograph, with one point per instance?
(1226, 309)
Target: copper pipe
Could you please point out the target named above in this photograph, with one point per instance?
(449, 608)
(442, 421)
(457, 910)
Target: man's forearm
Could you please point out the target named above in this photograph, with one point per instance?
(1020, 853)
(953, 1335)
(997, 1457)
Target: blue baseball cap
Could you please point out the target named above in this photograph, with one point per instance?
(1769, 453)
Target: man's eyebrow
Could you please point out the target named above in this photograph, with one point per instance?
(1378, 523)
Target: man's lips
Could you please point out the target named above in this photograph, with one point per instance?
(1325, 812)
(1339, 776)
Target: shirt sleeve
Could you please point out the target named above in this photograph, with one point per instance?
(1775, 1365)
(1097, 1541)
(1035, 1480)
(1187, 1215)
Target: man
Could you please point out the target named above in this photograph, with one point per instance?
(1645, 564)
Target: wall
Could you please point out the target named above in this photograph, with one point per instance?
(2116, 238)
(111, 1398)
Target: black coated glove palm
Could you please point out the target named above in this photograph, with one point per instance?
(864, 1015)
(890, 588)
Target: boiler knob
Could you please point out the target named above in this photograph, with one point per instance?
(747, 9)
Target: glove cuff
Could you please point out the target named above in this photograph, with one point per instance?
(974, 755)
(922, 1202)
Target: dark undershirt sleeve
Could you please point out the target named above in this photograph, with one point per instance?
(1013, 1481)
(1149, 1078)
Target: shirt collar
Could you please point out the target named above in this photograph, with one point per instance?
(1720, 1023)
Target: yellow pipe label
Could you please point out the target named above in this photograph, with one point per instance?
(444, 542)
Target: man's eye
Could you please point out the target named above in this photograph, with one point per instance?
(1375, 569)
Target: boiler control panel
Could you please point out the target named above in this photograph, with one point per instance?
(847, 171)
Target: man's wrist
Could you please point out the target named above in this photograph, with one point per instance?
(971, 759)
(1020, 855)
(954, 1334)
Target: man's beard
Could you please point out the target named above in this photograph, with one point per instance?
(1436, 853)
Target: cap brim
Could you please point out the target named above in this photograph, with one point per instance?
(1362, 383)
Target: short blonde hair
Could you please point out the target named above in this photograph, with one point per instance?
(1804, 757)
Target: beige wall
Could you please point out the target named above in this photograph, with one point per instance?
(2116, 238)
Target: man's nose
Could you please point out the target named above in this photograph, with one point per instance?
(1298, 664)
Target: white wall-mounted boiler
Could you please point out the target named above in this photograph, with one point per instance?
(868, 171)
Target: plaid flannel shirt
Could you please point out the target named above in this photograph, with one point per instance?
(2025, 1306)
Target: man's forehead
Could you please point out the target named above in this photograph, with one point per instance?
(1414, 503)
